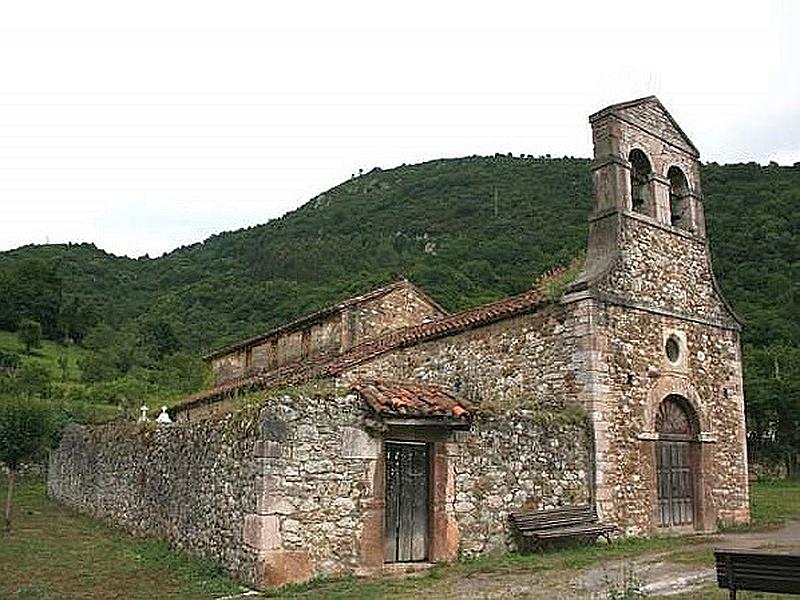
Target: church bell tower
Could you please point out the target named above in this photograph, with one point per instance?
(657, 347)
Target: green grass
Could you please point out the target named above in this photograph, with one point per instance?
(47, 355)
(710, 591)
(774, 501)
(53, 553)
(771, 504)
(56, 554)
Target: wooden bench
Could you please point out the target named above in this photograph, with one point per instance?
(536, 528)
(757, 571)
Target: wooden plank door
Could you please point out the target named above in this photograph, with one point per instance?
(407, 501)
(675, 485)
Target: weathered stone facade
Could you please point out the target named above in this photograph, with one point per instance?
(328, 332)
(292, 486)
(632, 375)
(521, 362)
(190, 485)
(624, 392)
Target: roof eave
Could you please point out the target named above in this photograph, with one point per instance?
(616, 110)
(457, 423)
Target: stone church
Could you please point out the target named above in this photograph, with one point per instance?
(384, 430)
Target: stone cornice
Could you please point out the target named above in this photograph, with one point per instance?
(632, 304)
(610, 159)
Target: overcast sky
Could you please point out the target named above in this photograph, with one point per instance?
(143, 126)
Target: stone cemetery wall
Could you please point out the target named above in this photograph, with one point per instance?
(191, 485)
(293, 488)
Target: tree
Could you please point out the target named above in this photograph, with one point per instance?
(159, 339)
(29, 333)
(63, 365)
(25, 430)
(75, 318)
(32, 288)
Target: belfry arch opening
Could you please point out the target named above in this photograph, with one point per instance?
(678, 198)
(641, 196)
(678, 463)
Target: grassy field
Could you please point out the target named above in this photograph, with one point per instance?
(774, 501)
(46, 355)
(53, 554)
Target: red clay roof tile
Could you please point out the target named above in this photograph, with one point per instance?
(410, 399)
(326, 365)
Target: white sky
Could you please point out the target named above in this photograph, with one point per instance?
(142, 126)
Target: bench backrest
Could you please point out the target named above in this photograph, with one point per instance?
(758, 571)
(550, 519)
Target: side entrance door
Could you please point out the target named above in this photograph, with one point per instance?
(407, 501)
(674, 479)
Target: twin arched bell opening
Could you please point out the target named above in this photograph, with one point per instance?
(643, 196)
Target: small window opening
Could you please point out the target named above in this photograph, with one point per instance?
(673, 349)
(678, 192)
(640, 179)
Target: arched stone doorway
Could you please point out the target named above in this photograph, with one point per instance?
(677, 462)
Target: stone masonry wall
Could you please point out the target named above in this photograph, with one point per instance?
(514, 462)
(228, 366)
(631, 377)
(332, 333)
(190, 485)
(399, 308)
(292, 486)
(523, 361)
(666, 269)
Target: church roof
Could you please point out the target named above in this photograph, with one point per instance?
(314, 317)
(408, 399)
(328, 365)
(630, 111)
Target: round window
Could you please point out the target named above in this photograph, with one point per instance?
(673, 349)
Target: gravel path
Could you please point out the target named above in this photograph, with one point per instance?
(657, 574)
(654, 573)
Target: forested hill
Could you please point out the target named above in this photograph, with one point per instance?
(467, 230)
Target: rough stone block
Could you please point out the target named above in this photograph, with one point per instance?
(357, 443)
(267, 449)
(279, 568)
(267, 484)
(274, 429)
(262, 532)
(270, 504)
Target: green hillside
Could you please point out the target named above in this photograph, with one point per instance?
(59, 360)
(467, 230)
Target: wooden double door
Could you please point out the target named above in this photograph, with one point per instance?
(675, 482)
(407, 468)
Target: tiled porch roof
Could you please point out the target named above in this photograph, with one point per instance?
(410, 399)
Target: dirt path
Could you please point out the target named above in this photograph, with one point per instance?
(681, 569)
(677, 571)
